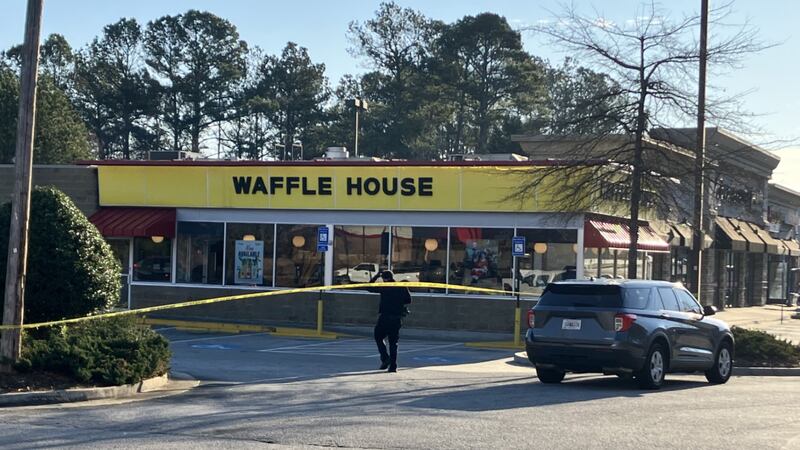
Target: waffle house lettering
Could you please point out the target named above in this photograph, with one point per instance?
(323, 186)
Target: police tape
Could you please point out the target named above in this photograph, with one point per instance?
(260, 294)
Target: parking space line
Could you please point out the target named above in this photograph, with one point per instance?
(300, 347)
(217, 337)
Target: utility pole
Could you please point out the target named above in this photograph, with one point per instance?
(10, 342)
(699, 162)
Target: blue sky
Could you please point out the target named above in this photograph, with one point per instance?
(321, 27)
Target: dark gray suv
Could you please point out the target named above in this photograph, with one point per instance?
(629, 328)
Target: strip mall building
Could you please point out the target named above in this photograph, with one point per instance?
(200, 229)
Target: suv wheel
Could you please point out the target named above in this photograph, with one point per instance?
(549, 376)
(652, 374)
(721, 371)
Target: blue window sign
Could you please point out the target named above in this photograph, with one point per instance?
(518, 246)
(323, 234)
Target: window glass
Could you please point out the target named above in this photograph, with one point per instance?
(550, 256)
(249, 248)
(580, 296)
(687, 302)
(297, 261)
(199, 255)
(480, 257)
(121, 249)
(152, 261)
(680, 263)
(420, 254)
(590, 263)
(606, 263)
(359, 252)
(777, 279)
(620, 269)
(668, 299)
(636, 298)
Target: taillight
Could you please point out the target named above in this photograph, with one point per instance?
(530, 319)
(623, 322)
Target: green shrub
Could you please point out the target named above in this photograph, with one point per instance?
(72, 271)
(103, 352)
(758, 348)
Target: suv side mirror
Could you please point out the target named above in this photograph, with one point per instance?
(709, 310)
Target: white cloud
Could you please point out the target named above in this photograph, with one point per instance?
(788, 171)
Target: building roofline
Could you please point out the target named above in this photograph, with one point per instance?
(323, 163)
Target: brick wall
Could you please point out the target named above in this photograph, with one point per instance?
(78, 182)
(340, 308)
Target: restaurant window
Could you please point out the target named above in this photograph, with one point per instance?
(152, 259)
(420, 254)
(591, 262)
(777, 278)
(550, 256)
(480, 257)
(297, 261)
(249, 251)
(359, 252)
(199, 253)
(680, 264)
(608, 263)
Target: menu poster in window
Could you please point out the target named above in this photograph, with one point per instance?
(249, 262)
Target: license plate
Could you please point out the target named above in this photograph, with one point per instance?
(571, 324)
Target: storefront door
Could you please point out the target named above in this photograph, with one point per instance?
(122, 250)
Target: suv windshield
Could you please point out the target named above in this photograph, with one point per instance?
(582, 296)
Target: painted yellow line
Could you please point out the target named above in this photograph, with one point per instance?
(229, 298)
(222, 327)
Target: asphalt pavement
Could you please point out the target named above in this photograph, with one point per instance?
(260, 391)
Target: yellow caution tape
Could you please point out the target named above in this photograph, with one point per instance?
(259, 294)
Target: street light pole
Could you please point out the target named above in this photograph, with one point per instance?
(359, 105)
(11, 340)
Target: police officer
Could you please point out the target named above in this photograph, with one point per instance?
(390, 313)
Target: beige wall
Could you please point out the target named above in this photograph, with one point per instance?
(340, 308)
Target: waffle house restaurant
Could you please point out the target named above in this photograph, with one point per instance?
(191, 230)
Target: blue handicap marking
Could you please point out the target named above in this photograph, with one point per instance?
(213, 346)
(518, 246)
(323, 237)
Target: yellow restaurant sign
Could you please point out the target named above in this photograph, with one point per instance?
(388, 188)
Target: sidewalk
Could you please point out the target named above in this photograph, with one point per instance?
(766, 318)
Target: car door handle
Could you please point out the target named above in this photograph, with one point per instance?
(665, 316)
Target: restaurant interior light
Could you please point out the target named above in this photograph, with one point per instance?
(157, 239)
(431, 244)
(540, 247)
(248, 237)
(298, 241)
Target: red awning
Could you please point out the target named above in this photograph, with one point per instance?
(135, 222)
(600, 234)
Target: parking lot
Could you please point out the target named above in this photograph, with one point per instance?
(261, 391)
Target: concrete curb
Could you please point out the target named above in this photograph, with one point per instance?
(522, 358)
(82, 394)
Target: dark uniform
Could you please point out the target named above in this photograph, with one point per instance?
(390, 314)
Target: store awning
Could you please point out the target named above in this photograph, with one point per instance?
(773, 246)
(754, 243)
(135, 222)
(793, 247)
(601, 234)
(728, 237)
